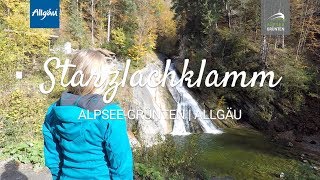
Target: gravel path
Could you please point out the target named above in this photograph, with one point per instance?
(11, 170)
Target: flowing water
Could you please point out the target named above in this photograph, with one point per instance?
(185, 104)
(234, 154)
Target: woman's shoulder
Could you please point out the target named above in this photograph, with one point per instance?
(50, 109)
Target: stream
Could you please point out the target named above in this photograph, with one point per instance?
(221, 153)
(244, 154)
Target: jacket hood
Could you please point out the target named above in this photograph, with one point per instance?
(71, 111)
(90, 102)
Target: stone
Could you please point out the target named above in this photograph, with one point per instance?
(313, 142)
(289, 144)
(67, 48)
(299, 138)
(281, 175)
(133, 140)
(287, 135)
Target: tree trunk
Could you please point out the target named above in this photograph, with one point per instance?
(264, 51)
(302, 33)
(229, 14)
(255, 34)
(92, 36)
(109, 22)
(216, 20)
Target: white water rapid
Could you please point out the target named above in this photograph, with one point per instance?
(187, 105)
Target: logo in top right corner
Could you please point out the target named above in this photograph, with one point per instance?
(275, 15)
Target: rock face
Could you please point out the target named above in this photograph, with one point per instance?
(150, 109)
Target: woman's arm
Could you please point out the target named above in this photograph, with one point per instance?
(118, 147)
(52, 150)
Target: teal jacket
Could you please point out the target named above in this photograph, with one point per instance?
(81, 142)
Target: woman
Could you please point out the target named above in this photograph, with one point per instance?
(81, 142)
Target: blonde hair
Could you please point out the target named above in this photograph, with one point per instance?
(94, 66)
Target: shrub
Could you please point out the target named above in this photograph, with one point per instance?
(170, 158)
(22, 117)
(144, 172)
(26, 152)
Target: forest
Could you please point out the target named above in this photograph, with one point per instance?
(226, 33)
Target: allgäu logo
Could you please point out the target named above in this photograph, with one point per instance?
(44, 13)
